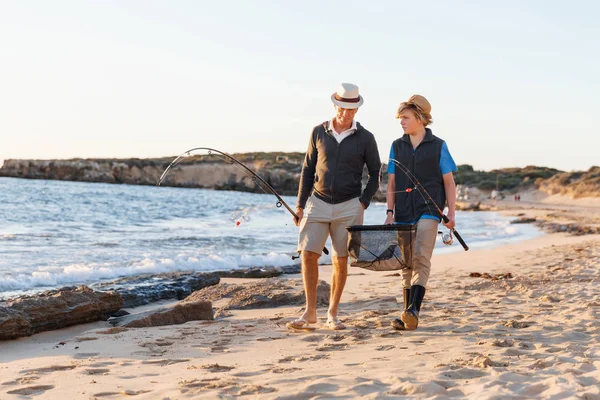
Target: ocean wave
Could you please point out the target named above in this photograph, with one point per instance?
(55, 276)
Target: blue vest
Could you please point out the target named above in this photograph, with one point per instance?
(424, 163)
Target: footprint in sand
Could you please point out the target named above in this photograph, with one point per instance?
(356, 336)
(102, 364)
(503, 343)
(22, 381)
(52, 368)
(429, 389)
(31, 390)
(230, 386)
(303, 358)
(363, 325)
(517, 324)
(336, 338)
(462, 373)
(165, 362)
(122, 393)
(312, 338)
(248, 373)
(385, 347)
(97, 371)
(332, 347)
(267, 339)
(390, 334)
(213, 367)
(541, 364)
(281, 370)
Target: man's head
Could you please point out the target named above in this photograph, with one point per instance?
(346, 101)
(414, 114)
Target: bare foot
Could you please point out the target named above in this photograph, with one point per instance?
(310, 317)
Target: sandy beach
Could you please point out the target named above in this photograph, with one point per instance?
(532, 335)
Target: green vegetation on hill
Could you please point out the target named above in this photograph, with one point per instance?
(575, 184)
(503, 179)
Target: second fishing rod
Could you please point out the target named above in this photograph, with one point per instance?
(413, 179)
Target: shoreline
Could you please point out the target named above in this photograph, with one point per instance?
(503, 338)
(531, 335)
(161, 278)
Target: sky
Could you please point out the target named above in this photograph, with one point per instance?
(511, 83)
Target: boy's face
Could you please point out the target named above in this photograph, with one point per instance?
(410, 124)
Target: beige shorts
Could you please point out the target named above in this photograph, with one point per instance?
(322, 219)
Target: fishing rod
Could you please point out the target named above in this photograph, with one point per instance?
(231, 159)
(416, 182)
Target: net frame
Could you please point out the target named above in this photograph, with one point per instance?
(387, 247)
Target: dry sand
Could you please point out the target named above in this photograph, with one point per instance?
(535, 335)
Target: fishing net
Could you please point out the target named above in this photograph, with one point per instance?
(381, 247)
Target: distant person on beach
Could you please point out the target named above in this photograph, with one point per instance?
(331, 197)
(427, 157)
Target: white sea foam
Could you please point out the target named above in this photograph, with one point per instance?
(89, 273)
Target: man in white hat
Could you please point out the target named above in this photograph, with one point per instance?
(331, 197)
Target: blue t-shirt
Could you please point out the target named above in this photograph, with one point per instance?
(447, 165)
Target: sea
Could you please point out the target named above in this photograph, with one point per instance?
(58, 233)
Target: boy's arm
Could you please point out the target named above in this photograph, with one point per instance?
(390, 197)
(450, 188)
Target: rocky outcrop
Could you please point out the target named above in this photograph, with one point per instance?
(523, 220)
(266, 293)
(468, 205)
(148, 288)
(179, 314)
(55, 309)
(282, 175)
(144, 289)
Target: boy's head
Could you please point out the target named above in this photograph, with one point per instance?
(414, 114)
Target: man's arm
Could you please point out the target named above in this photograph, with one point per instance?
(373, 166)
(307, 176)
(450, 188)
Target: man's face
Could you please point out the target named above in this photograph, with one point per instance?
(345, 116)
(410, 124)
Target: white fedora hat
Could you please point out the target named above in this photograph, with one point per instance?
(347, 96)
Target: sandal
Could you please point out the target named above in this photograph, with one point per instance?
(300, 325)
(335, 325)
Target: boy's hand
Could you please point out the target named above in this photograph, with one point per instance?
(451, 222)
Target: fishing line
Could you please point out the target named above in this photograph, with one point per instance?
(238, 164)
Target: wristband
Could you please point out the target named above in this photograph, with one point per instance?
(389, 211)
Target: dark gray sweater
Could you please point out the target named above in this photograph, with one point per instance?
(333, 171)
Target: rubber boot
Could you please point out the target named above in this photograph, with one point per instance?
(397, 323)
(410, 316)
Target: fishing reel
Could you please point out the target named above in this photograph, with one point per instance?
(447, 238)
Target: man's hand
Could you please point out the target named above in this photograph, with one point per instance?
(451, 222)
(300, 214)
(389, 220)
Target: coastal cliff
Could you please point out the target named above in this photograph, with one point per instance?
(282, 171)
